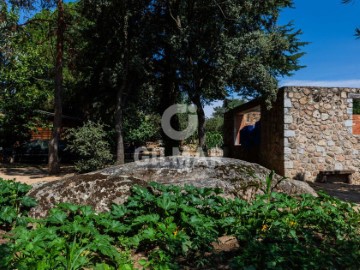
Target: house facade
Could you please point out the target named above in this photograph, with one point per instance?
(307, 130)
(44, 132)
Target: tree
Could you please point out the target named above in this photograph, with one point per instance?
(41, 27)
(113, 64)
(25, 75)
(209, 48)
(228, 104)
(54, 165)
(166, 50)
(198, 49)
(216, 121)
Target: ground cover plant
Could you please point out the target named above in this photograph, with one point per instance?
(14, 204)
(175, 228)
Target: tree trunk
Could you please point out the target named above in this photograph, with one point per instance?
(54, 163)
(201, 120)
(169, 97)
(120, 155)
(120, 151)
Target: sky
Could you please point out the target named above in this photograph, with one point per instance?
(333, 56)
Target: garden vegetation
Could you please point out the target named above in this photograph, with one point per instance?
(175, 228)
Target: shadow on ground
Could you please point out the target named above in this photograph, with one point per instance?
(340, 190)
(31, 171)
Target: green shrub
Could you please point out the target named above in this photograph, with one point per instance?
(214, 139)
(296, 233)
(275, 231)
(14, 204)
(170, 222)
(89, 143)
(68, 239)
(143, 128)
(174, 227)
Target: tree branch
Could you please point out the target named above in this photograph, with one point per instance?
(176, 20)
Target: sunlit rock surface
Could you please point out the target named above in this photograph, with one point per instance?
(102, 188)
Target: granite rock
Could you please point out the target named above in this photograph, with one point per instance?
(102, 188)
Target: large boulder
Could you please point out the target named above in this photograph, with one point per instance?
(102, 188)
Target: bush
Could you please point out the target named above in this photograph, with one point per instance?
(14, 204)
(214, 139)
(143, 128)
(68, 239)
(170, 222)
(89, 143)
(174, 228)
(283, 232)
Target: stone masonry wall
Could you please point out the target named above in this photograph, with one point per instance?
(318, 131)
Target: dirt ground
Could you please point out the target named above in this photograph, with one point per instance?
(32, 173)
(35, 173)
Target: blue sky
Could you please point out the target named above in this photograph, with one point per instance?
(333, 55)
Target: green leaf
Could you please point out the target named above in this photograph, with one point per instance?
(57, 216)
(28, 202)
(143, 262)
(185, 246)
(165, 202)
(103, 266)
(149, 233)
(152, 218)
(118, 210)
(293, 234)
(68, 206)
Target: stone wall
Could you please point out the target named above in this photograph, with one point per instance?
(318, 131)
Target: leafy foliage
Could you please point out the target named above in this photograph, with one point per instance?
(293, 233)
(166, 49)
(25, 75)
(14, 204)
(275, 231)
(89, 143)
(209, 49)
(141, 128)
(170, 222)
(66, 239)
(215, 124)
(214, 139)
(161, 50)
(175, 227)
